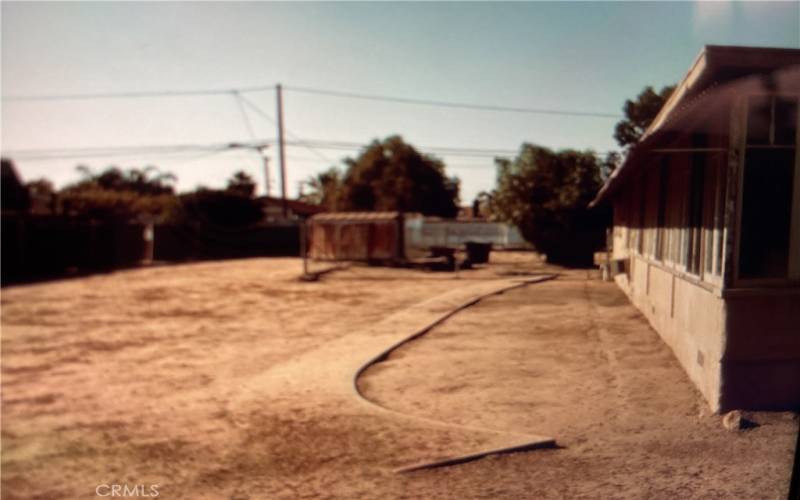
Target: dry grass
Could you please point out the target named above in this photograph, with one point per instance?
(169, 376)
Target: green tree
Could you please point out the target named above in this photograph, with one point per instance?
(326, 189)
(217, 208)
(14, 195)
(145, 181)
(41, 187)
(393, 175)
(639, 114)
(546, 194)
(117, 194)
(610, 163)
(242, 183)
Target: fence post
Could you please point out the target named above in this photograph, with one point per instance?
(303, 250)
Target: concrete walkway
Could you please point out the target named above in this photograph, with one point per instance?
(328, 378)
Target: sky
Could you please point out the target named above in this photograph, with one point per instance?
(576, 56)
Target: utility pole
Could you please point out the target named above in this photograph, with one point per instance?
(281, 156)
(262, 150)
(267, 184)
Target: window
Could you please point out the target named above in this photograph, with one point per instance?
(630, 217)
(640, 206)
(766, 211)
(651, 212)
(697, 178)
(681, 211)
(719, 214)
(662, 209)
(768, 190)
(710, 214)
(677, 212)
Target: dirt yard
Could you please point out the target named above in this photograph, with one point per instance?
(234, 380)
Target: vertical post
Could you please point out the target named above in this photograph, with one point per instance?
(303, 244)
(400, 251)
(149, 243)
(267, 184)
(281, 155)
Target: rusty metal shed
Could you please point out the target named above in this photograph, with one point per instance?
(358, 236)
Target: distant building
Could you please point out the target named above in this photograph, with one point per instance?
(423, 233)
(357, 236)
(707, 226)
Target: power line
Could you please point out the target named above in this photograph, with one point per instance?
(246, 119)
(135, 95)
(443, 150)
(112, 150)
(266, 115)
(309, 144)
(450, 104)
(163, 151)
(437, 150)
(311, 90)
(180, 156)
(240, 104)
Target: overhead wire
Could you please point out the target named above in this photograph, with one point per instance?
(267, 116)
(309, 144)
(64, 153)
(237, 96)
(317, 91)
(436, 150)
(314, 146)
(240, 104)
(135, 95)
(449, 104)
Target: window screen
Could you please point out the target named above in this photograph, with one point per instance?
(766, 213)
(769, 171)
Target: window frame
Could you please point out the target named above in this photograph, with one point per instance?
(793, 266)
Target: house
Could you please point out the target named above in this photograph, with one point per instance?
(706, 232)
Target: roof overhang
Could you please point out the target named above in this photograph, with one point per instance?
(717, 76)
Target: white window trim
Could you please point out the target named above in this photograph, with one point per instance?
(794, 224)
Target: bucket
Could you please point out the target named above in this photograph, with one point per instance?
(478, 253)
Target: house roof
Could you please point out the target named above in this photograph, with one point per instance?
(718, 74)
(356, 216)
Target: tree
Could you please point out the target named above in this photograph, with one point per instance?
(482, 205)
(217, 208)
(14, 195)
(609, 164)
(242, 183)
(393, 175)
(122, 195)
(41, 187)
(146, 181)
(326, 189)
(546, 195)
(639, 114)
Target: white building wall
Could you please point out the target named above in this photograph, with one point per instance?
(424, 233)
(688, 316)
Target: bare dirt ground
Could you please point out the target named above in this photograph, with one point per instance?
(232, 380)
(571, 358)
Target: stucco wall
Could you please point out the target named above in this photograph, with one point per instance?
(688, 316)
(761, 362)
